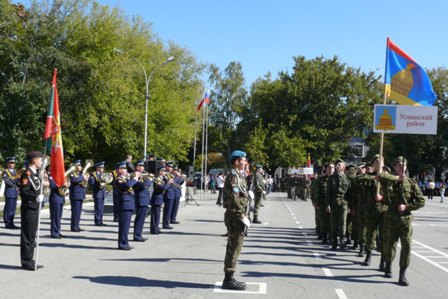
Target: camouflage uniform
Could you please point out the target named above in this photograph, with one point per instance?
(338, 185)
(351, 228)
(314, 189)
(235, 204)
(258, 191)
(324, 216)
(362, 187)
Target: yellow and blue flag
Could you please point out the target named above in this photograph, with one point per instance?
(406, 82)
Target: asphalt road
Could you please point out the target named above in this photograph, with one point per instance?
(281, 258)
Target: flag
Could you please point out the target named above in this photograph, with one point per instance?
(205, 100)
(406, 82)
(308, 163)
(53, 136)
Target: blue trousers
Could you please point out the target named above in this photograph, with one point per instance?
(155, 219)
(9, 211)
(55, 218)
(124, 222)
(116, 207)
(175, 209)
(99, 210)
(167, 210)
(139, 222)
(76, 205)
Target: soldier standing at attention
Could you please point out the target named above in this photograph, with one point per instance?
(337, 204)
(403, 196)
(169, 197)
(57, 200)
(30, 184)
(258, 190)
(324, 213)
(141, 201)
(11, 182)
(160, 185)
(77, 196)
(99, 193)
(178, 182)
(235, 218)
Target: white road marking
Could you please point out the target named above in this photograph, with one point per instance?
(294, 218)
(327, 272)
(297, 222)
(340, 293)
(316, 255)
(427, 258)
(301, 227)
(262, 288)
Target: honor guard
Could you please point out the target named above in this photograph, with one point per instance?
(235, 218)
(30, 185)
(169, 196)
(160, 185)
(126, 203)
(77, 195)
(141, 194)
(178, 182)
(57, 200)
(11, 182)
(98, 183)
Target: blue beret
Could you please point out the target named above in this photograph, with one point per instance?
(121, 164)
(100, 164)
(11, 159)
(237, 154)
(77, 162)
(140, 163)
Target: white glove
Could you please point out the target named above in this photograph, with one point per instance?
(40, 198)
(264, 192)
(245, 221)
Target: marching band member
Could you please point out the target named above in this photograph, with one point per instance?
(141, 201)
(168, 198)
(11, 182)
(178, 181)
(77, 195)
(57, 201)
(160, 185)
(99, 193)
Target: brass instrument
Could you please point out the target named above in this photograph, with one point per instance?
(106, 178)
(89, 163)
(146, 175)
(63, 191)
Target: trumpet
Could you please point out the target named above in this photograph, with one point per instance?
(89, 163)
(146, 175)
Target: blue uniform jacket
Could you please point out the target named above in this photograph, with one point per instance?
(178, 189)
(10, 191)
(160, 186)
(125, 193)
(169, 192)
(77, 191)
(99, 192)
(55, 197)
(141, 193)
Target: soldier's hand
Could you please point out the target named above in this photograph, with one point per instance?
(40, 198)
(328, 209)
(378, 197)
(401, 208)
(137, 175)
(401, 177)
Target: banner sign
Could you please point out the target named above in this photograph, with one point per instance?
(403, 119)
(301, 170)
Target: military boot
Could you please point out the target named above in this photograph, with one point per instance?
(334, 246)
(320, 237)
(368, 259)
(361, 250)
(382, 266)
(388, 271)
(255, 220)
(355, 245)
(343, 243)
(230, 283)
(402, 279)
(325, 239)
(349, 240)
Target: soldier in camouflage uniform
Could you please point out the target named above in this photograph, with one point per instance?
(314, 200)
(235, 219)
(258, 191)
(360, 207)
(324, 214)
(301, 187)
(337, 204)
(403, 196)
(375, 214)
(351, 229)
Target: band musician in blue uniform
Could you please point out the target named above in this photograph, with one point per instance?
(178, 182)
(11, 181)
(99, 193)
(126, 203)
(141, 201)
(160, 185)
(77, 195)
(169, 196)
(57, 200)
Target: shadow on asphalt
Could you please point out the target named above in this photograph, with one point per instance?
(9, 267)
(164, 260)
(208, 220)
(62, 245)
(130, 281)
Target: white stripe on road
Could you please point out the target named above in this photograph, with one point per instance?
(316, 255)
(426, 258)
(297, 222)
(327, 272)
(340, 293)
(301, 227)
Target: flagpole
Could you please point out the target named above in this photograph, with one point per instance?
(202, 151)
(206, 142)
(194, 145)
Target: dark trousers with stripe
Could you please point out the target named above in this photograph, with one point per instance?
(124, 223)
(55, 218)
(155, 219)
(139, 222)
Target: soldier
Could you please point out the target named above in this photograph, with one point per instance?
(375, 214)
(178, 182)
(351, 229)
(99, 193)
(160, 185)
(403, 196)
(324, 214)
(337, 204)
(141, 201)
(301, 187)
(293, 184)
(77, 195)
(168, 198)
(235, 218)
(126, 203)
(258, 190)
(11, 181)
(314, 200)
(57, 200)
(359, 208)
(30, 184)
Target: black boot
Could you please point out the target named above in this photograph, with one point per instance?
(343, 243)
(361, 250)
(349, 240)
(320, 237)
(388, 270)
(334, 246)
(382, 267)
(368, 259)
(230, 283)
(325, 239)
(355, 245)
(402, 279)
(256, 220)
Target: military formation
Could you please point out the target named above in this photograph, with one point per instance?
(134, 191)
(369, 207)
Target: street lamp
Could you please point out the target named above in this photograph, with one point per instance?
(147, 80)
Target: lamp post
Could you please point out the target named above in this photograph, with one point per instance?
(147, 80)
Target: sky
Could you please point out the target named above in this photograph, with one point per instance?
(265, 35)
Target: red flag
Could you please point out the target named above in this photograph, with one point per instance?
(54, 136)
(205, 100)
